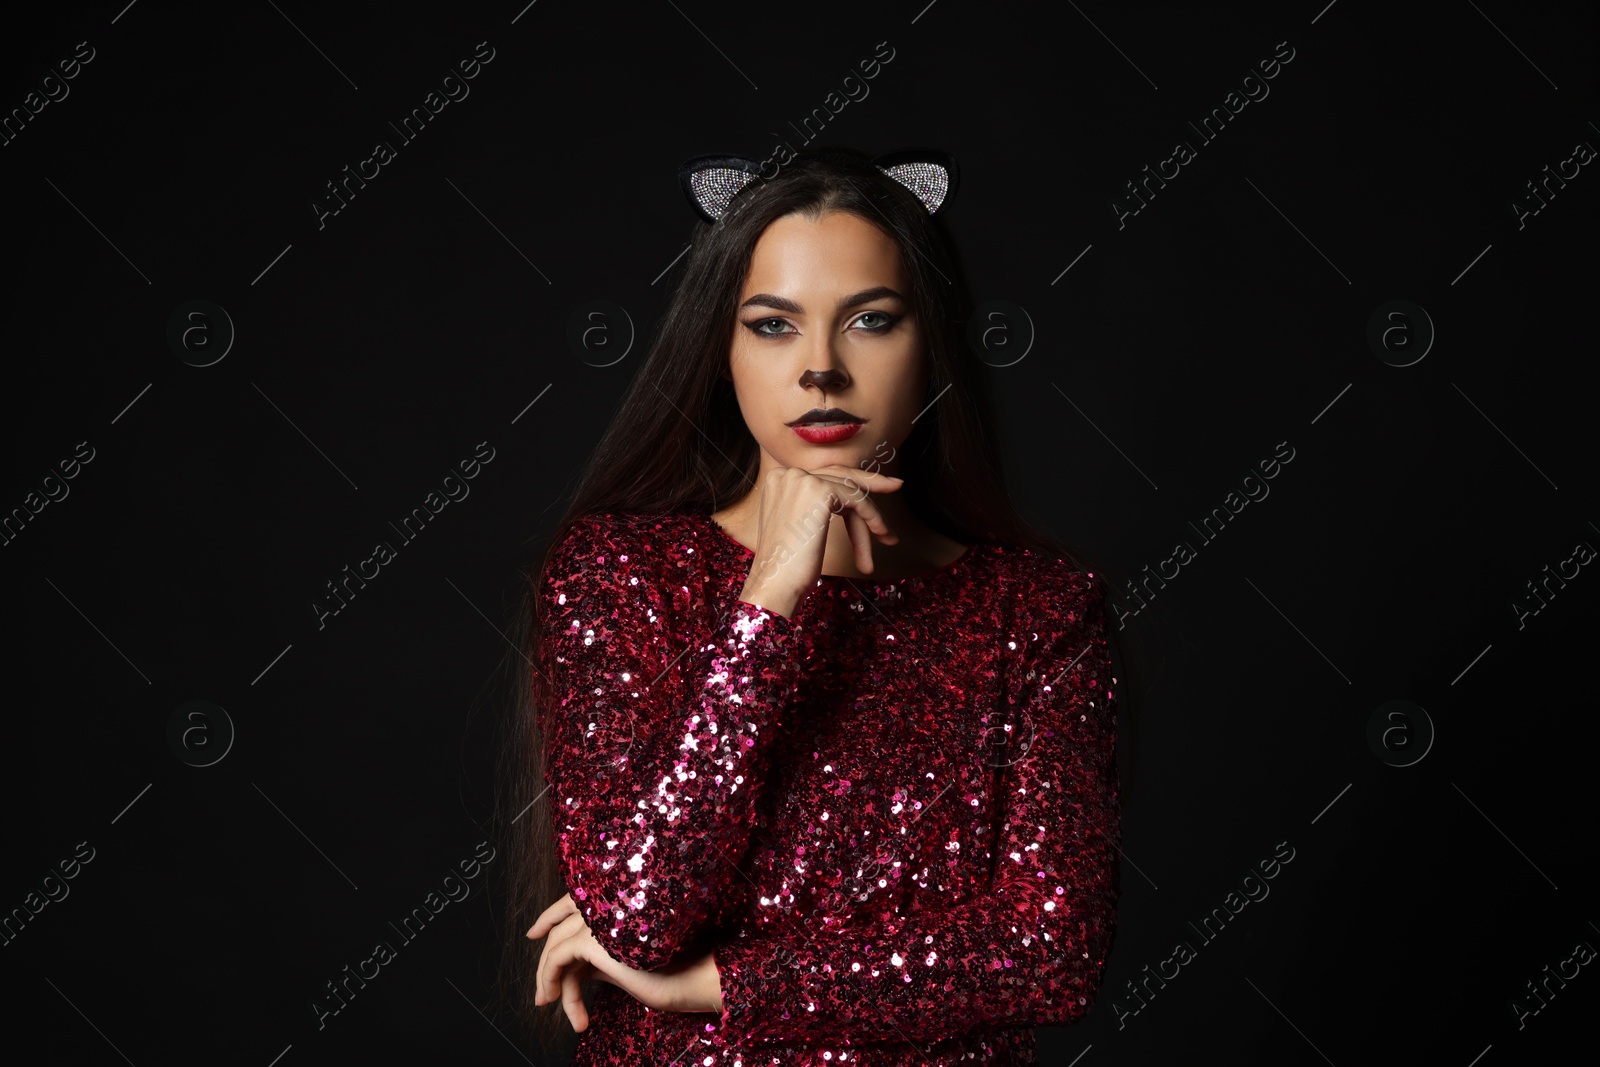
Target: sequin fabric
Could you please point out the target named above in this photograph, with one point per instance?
(893, 817)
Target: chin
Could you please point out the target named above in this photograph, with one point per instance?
(867, 451)
(809, 455)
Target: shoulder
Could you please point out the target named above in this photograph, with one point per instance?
(619, 529)
(633, 573)
(608, 546)
(1053, 592)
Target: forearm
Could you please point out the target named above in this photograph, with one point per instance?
(1007, 961)
(653, 786)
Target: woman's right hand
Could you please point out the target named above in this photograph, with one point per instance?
(796, 513)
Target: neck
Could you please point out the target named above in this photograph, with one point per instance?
(918, 550)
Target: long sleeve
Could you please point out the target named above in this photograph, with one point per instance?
(656, 726)
(1028, 951)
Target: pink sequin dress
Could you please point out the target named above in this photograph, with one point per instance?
(893, 817)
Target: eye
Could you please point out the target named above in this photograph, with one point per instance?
(756, 327)
(886, 321)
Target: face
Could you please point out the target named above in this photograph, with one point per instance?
(825, 322)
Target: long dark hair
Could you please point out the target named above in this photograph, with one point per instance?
(679, 441)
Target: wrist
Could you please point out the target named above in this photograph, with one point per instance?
(699, 986)
(776, 601)
(713, 983)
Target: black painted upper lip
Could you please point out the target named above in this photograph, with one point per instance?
(826, 415)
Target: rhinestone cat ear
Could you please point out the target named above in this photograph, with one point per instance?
(711, 182)
(927, 172)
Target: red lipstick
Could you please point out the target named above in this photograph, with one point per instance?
(827, 434)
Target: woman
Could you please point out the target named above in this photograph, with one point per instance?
(824, 732)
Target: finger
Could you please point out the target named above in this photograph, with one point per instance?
(538, 975)
(544, 980)
(549, 917)
(860, 539)
(853, 485)
(558, 953)
(547, 987)
(889, 482)
(871, 513)
(591, 960)
(848, 492)
(572, 998)
(552, 915)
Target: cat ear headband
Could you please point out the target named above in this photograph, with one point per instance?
(711, 182)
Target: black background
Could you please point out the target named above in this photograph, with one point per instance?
(1229, 315)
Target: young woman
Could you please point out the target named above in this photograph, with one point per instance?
(818, 745)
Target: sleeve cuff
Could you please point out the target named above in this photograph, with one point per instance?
(735, 978)
(761, 631)
(754, 608)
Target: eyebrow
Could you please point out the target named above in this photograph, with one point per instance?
(877, 292)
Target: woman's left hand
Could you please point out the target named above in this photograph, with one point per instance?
(571, 953)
